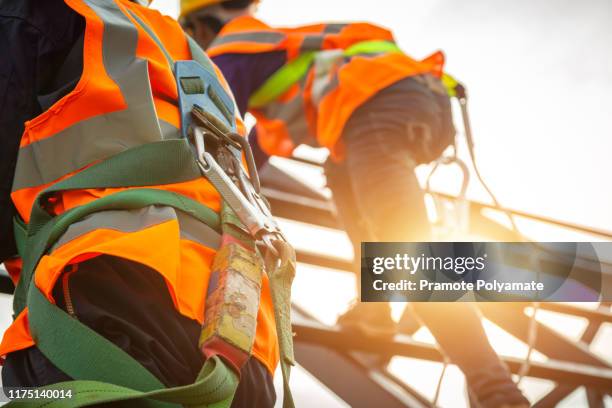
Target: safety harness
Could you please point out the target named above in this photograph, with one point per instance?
(102, 371)
(295, 70)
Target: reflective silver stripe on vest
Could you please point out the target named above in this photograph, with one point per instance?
(312, 42)
(325, 68)
(168, 130)
(195, 230)
(327, 87)
(334, 28)
(154, 37)
(262, 37)
(324, 83)
(100, 136)
(128, 221)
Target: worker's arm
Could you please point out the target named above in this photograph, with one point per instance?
(32, 48)
(245, 73)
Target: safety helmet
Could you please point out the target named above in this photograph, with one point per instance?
(189, 6)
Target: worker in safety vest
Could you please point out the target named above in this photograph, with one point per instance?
(116, 228)
(349, 88)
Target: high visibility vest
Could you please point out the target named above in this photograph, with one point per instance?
(331, 70)
(125, 99)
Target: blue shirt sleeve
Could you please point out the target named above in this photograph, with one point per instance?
(245, 73)
(37, 35)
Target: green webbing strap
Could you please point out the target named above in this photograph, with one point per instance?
(87, 393)
(232, 226)
(282, 80)
(108, 365)
(281, 276)
(281, 272)
(65, 340)
(165, 162)
(124, 200)
(20, 231)
(371, 47)
(53, 329)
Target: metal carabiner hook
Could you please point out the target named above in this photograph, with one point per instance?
(250, 159)
(198, 141)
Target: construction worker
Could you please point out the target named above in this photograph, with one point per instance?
(348, 87)
(116, 228)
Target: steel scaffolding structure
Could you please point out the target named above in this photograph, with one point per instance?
(344, 364)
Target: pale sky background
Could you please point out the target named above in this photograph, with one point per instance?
(539, 75)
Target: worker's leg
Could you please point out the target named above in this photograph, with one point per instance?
(373, 319)
(129, 304)
(375, 189)
(381, 174)
(458, 330)
(352, 221)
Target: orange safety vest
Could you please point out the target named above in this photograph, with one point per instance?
(345, 65)
(126, 97)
